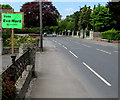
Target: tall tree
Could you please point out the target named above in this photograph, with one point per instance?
(115, 13)
(31, 14)
(84, 17)
(101, 18)
(77, 15)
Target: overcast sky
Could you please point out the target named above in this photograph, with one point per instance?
(65, 7)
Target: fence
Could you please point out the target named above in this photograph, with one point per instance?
(14, 71)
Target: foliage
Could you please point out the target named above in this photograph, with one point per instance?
(84, 17)
(31, 14)
(35, 30)
(50, 29)
(5, 36)
(8, 88)
(101, 18)
(18, 40)
(111, 35)
(115, 13)
(69, 23)
(77, 15)
(87, 32)
(5, 6)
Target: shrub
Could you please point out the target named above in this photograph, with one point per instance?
(35, 30)
(117, 37)
(111, 35)
(8, 88)
(19, 40)
(5, 36)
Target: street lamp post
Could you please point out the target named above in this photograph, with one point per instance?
(41, 38)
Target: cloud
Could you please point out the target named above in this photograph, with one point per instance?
(69, 9)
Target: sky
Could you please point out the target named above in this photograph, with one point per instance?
(65, 8)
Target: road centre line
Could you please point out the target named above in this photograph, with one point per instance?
(64, 47)
(73, 54)
(59, 43)
(55, 41)
(115, 51)
(104, 51)
(99, 76)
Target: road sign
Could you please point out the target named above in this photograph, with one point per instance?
(12, 20)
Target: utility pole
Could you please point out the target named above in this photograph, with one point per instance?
(41, 37)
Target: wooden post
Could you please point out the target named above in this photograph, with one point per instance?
(12, 41)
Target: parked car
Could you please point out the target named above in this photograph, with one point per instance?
(54, 35)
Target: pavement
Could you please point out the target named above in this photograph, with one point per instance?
(54, 76)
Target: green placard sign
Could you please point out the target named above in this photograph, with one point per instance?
(12, 20)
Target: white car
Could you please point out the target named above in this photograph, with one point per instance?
(54, 35)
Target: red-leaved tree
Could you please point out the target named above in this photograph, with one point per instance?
(31, 14)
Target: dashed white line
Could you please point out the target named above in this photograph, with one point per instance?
(64, 47)
(100, 77)
(55, 41)
(73, 54)
(104, 51)
(115, 51)
(86, 45)
(59, 43)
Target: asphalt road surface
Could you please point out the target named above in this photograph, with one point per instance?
(95, 63)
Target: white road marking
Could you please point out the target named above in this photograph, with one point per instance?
(55, 41)
(59, 43)
(100, 77)
(115, 51)
(86, 45)
(104, 51)
(73, 54)
(64, 47)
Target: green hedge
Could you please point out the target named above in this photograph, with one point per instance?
(35, 30)
(111, 35)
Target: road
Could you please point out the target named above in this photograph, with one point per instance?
(95, 64)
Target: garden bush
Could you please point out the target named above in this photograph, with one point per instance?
(18, 40)
(35, 30)
(111, 35)
(5, 36)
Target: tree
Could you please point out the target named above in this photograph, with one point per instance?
(84, 17)
(31, 14)
(101, 18)
(115, 13)
(84, 21)
(5, 6)
(69, 23)
(77, 15)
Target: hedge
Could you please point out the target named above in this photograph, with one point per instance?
(35, 30)
(111, 34)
